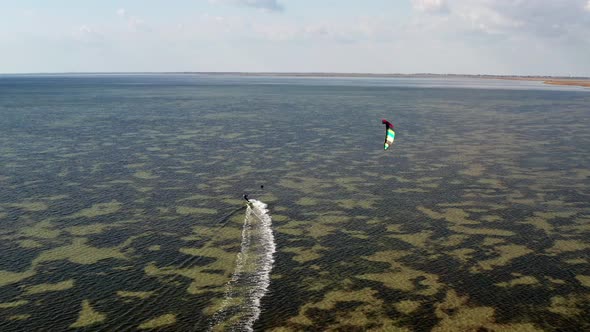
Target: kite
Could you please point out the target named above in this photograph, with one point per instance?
(389, 134)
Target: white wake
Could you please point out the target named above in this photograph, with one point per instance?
(251, 277)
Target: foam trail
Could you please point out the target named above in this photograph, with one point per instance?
(251, 277)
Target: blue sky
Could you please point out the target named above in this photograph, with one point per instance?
(522, 37)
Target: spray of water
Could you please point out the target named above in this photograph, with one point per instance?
(251, 276)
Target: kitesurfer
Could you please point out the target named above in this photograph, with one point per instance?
(246, 198)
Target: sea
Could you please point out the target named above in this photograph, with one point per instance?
(122, 204)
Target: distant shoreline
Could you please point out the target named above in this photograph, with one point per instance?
(552, 80)
(585, 83)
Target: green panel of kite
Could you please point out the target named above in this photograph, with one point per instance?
(389, 137)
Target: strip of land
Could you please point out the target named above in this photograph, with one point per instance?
(553, 80)
(585, 83)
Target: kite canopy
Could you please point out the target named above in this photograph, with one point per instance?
(389, 134)
(387, 123)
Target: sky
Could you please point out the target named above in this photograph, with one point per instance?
(499, 37)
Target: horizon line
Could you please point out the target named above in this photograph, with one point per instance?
(296, 73)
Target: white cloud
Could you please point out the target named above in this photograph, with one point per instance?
(587, 7)
(135, 23)
(87, 34)
(535, 18)
(430, 6)
(268, 5)
(487, 19)
(84, 29)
